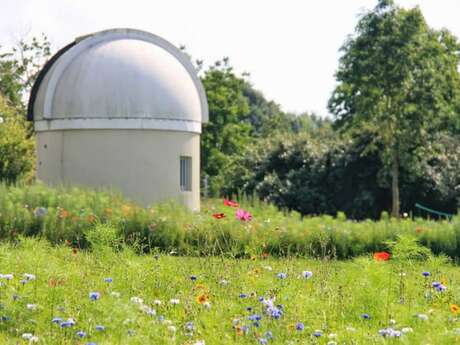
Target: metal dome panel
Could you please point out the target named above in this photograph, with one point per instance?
(119, 78)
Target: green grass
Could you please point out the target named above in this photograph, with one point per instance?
(69, 213)
(332, 301)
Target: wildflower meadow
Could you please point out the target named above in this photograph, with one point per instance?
(86, 267)
(54, 295)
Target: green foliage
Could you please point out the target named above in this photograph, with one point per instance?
(406, 249)
(264, 116)
(225, 134)
(103, 236)
(17, 147)
(240, 116)
(85, 218)
(399, 80)
(267, 119)
(19, 67)
(310, 175)
(324, 174)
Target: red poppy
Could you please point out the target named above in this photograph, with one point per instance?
(218, 215)
(230, 203)
(382, 256)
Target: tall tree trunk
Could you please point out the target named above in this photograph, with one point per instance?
(395, 185)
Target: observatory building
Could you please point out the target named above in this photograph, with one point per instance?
(121, 109)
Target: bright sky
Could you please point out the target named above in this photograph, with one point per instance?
(290, 47)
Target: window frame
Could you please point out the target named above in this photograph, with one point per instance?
(185, 173)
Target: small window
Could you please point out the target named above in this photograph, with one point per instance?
(186, 174)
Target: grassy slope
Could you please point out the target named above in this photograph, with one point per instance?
(332, 300)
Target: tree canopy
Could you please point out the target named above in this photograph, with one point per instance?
(398, 79)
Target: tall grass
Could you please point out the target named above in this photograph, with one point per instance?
(65, 215)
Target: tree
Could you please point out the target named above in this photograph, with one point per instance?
(226, 134)
(265, 117)
(17, 148)
(398, 79)
(240, 115)
(19, 68)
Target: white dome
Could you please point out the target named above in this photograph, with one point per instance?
(119, 78)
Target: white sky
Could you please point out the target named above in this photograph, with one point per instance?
(290, 47)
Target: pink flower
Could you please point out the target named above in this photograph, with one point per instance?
(243, 215)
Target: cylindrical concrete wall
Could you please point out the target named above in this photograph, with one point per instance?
(143, 164)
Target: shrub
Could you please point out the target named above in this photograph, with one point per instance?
(326, 175)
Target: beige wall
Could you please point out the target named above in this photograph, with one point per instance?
(142, 164)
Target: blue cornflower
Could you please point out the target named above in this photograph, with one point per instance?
(365, 316)
(261, 299)
(91, 343)
(56, 320)
(263, 341)
(441, 288)
(249, 308)
(269, 335)
(282, 275)
(243, 295)
(307, 274)
(256, 324)
(108, 280)
(255, 317)
(189, 326)
(193, 278)
(23, 281)
(299, 326)
(81, 334)
(275, 313)
(100, 328)
(29, 276)
(317, 333)
(94, 296)
(435, 284)
(426, 274)
(66, 324)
